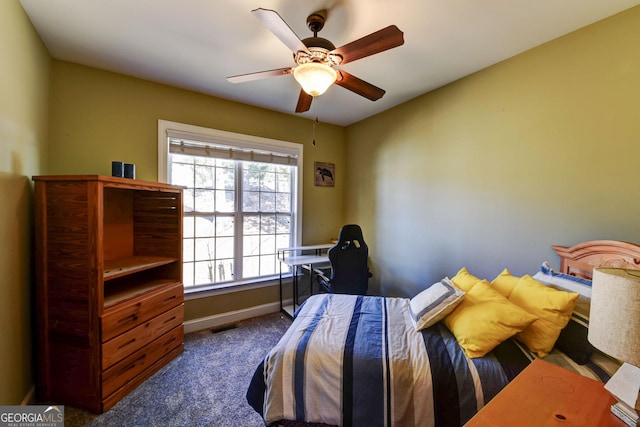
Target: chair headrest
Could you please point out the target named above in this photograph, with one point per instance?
(350, 232)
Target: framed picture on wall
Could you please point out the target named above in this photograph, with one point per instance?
(325, 174)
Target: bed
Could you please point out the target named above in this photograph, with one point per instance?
(376, 361)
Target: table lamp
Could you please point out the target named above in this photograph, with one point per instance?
(614, 328)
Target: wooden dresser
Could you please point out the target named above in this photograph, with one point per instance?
(109, 293)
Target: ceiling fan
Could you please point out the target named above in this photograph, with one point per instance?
(316, 57)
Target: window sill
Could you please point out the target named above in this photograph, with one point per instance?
(228, 288)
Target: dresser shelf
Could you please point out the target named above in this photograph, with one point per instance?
(128, 265)
(118, 293)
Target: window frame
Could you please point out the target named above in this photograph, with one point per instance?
(244, 142)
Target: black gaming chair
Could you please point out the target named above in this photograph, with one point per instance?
(349, 271)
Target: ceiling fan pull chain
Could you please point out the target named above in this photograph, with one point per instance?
(315, 122)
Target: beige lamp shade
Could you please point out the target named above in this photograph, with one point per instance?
(614, 328)
(314, 77)
(614, 322)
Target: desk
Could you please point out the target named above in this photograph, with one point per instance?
(547, 395)
(296, 258)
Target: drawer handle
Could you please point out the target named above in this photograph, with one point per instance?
(170, 341)
(170, 320)
(131, 341)
(131, 318)
(170, 299)
(133, 364)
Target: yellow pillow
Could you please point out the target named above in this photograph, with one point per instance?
(505, 282)
(484, 319)
(552, 307)
(465, 280)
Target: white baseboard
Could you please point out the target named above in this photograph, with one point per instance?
(222, 319)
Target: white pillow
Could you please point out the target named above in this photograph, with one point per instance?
(563, 281)
(434, 303)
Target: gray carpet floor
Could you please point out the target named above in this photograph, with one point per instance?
(204, 386)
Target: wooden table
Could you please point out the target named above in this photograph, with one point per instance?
(547, 395)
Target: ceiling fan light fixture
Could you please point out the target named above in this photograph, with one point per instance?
(315, 77)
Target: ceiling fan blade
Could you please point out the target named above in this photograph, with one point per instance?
(274, 22)
(304, 102)
(259, 75)
(356, 85)
(377, 42)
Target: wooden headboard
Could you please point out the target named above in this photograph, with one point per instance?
(579, 260)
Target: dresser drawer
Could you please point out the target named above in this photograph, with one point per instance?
(131, 313)
(125, 344)
(128, 368)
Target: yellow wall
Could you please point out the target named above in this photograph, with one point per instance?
(99, 116)
(24, 95)
(491, 170)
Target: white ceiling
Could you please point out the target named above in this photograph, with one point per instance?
(196, 44)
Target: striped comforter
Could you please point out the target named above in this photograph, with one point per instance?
(358, 361)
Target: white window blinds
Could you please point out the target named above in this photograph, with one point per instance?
(183, 142)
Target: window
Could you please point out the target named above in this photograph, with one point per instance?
(241, 201)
